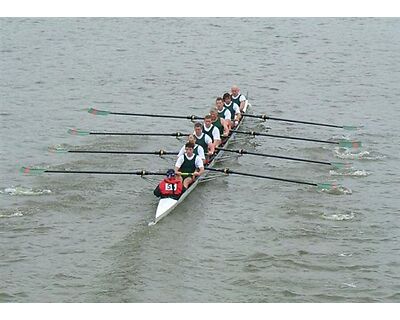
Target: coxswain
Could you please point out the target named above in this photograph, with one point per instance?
(233, 108)
(203, 139)
(170, 186)
(237, 97)
(198, 149)
(189, 166)
(212, 131)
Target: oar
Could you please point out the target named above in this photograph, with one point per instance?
(342, 143)
(78, 132)
(38, 171)
(321, 186)
(338, 165)
(106, 113)
(159, 152)
(265, 117)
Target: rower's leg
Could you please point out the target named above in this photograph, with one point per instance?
(187, 182)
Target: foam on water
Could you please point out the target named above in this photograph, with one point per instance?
(337, 190)
(349, 285)
(339, 216)
(350, 172)
(345, 254)
(362, 155)
(24, 191)
(16, 213)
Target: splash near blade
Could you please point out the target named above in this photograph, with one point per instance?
(350, 144)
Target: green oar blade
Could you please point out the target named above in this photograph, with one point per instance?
(97, 112)
(350, 128)
(77, 132)
(349, 144)
(57, 150)
(341, 165)
(327, 186)
(32, 171)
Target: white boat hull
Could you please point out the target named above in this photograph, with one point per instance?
(164, 205)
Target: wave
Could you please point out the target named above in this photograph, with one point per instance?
(11, 214)
(350, 172)
(339, 216)
(362, 155)
(23, 191)
(336, 190)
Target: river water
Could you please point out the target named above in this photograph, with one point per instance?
(85, 238)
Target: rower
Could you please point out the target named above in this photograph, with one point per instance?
(198, 149)
(224, 115)
(219, 123)
(233, 108)
(203, 139)
(212, 131)
(189, 166)
(170, 186)
(237, 97)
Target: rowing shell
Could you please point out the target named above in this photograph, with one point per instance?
(167, 205)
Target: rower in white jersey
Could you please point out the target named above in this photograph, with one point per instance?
(198, 149)
(203, 139)
(224, 116)
(233, 108)
(237, 97)
(189, 166)
(212, 131)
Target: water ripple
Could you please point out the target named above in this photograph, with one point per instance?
(25, 191)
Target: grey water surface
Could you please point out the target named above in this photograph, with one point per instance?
(85, 238)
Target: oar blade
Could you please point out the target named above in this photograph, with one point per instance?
(327, 186)
(32, 171)
(77, 132)
(350, 128)
(57, 150)
(350, 144)
(97, 112)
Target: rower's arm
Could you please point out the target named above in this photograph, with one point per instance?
(178, 165)
(211, 148)
(238, 115)
(199, 167)
(217, 137)
(201, 171)
(226, 126)
(242, 104)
